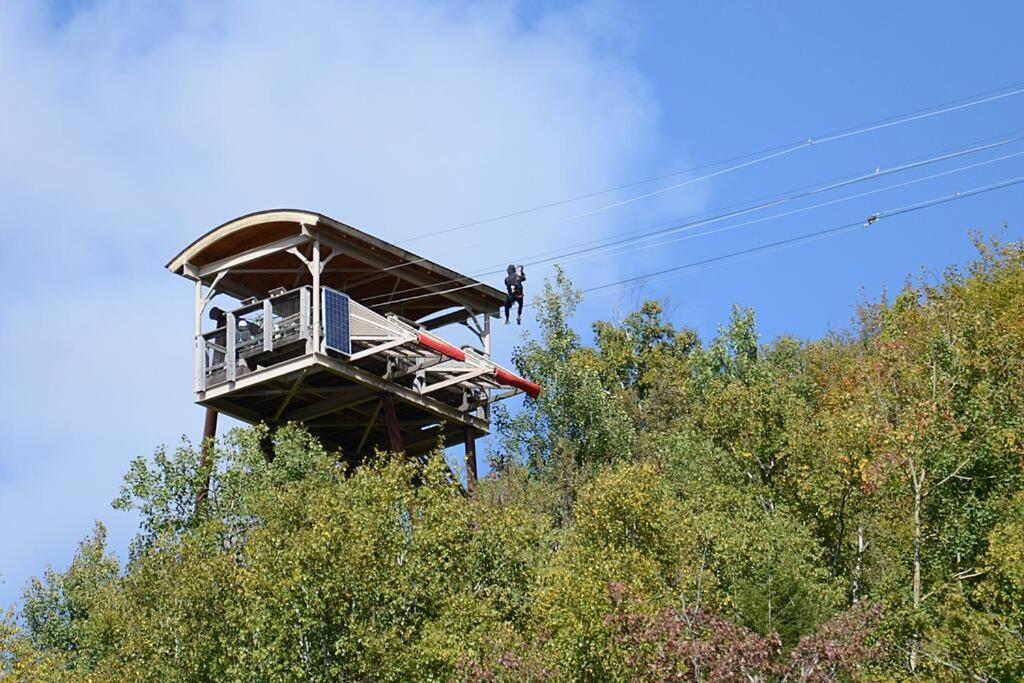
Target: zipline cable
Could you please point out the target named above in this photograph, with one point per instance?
(759, 157)
(872, 220)
(874, 217)
(604, 248)
(794, 195)
(731, 211)
(803, 209)
(773, 200)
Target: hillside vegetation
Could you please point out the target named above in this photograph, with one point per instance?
(850, 508)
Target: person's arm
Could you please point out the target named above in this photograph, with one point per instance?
(522, 274)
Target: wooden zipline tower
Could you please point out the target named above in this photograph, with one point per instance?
(336, 329)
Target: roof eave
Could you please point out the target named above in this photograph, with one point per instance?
(177, 265)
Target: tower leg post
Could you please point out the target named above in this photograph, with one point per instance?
(209, 437)
(391, 418)
(471, 471)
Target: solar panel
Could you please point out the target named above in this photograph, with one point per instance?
(336, 326)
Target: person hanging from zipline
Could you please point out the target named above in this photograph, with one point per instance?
(514, 292)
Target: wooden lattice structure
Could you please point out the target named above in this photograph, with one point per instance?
(338, 330)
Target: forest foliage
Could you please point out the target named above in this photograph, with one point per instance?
(670, 508)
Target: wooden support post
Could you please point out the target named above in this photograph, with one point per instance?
(230, 355)
(317, 296)
(200, 383)
(391, 418)
(485, 410)
(268, 325)
(471, 471)
(486, 336)
(304, 324)
(209, 437)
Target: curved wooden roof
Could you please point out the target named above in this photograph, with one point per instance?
(368, 269)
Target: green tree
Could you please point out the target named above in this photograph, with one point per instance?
(732, 509)
(578, 424)
(62, 611)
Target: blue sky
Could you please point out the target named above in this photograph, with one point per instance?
(130, 128)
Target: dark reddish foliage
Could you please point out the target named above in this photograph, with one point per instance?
(695, 645)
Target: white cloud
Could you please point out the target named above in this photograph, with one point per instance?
(129, 128)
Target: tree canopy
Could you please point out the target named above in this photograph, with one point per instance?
(670, 508)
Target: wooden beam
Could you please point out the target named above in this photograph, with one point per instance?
(359, 422)
(291, 271)
(220, 396)
(442, 410)
(251, 255)
(236, 411)
(352, 411)
(291, 394)
(373, 350)
(257, 377)
(472, 374)
(331, 405)
(232, 287)
(369, 427)
(409, 275)
(450, 318)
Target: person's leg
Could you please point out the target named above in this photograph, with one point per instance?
(519, 312)
(508, 306)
